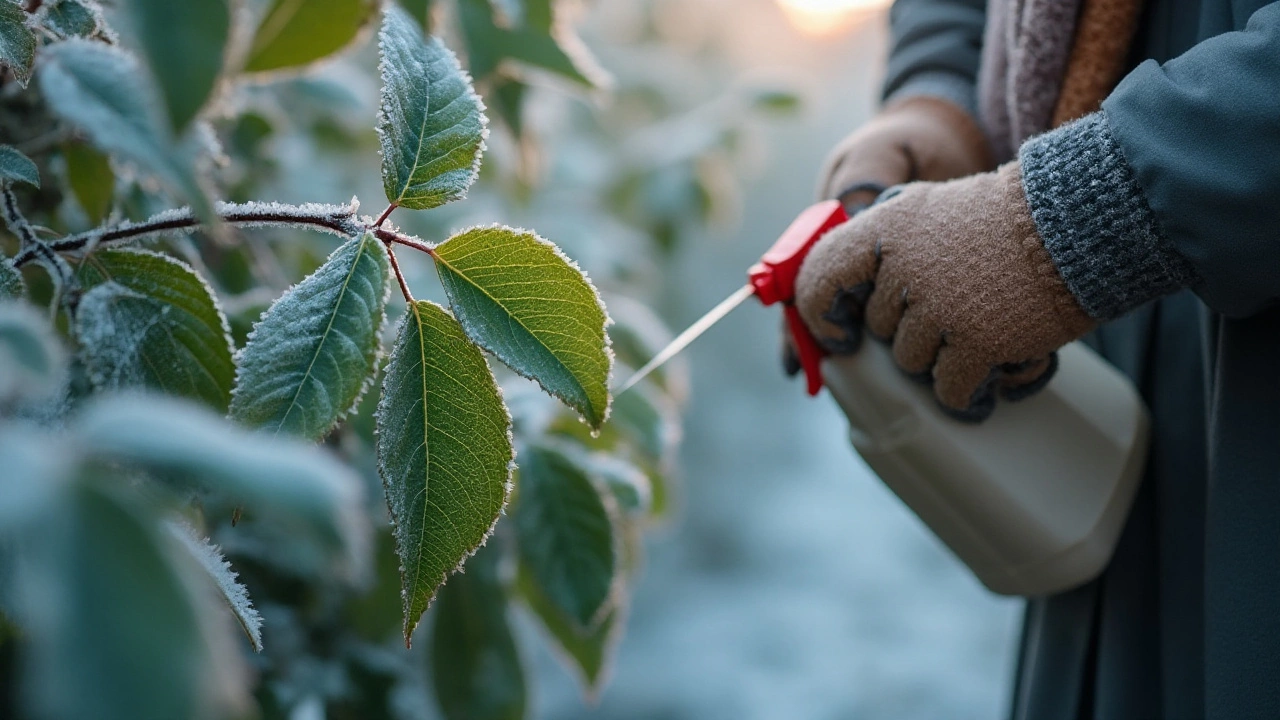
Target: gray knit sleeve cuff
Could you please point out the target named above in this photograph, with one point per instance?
(1095, 220)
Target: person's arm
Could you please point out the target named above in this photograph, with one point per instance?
(935, 50)
(1175, 183)
(928, 128)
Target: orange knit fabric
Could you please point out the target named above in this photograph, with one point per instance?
(1099, 53)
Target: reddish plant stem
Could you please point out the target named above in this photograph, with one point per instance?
(395, 268)
(385, 214)
(387, 236)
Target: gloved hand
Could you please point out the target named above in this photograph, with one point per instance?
(956, 276)
(918, 138)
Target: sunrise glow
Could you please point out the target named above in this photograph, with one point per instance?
(827, 17)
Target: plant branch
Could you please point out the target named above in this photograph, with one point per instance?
(395, 267)
(36, 249)
(336, 219)
(391, 236)
(385, 214)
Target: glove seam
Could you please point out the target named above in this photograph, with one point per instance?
(1096, 223)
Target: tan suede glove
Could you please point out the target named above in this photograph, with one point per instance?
(955, 275)
(918, 138)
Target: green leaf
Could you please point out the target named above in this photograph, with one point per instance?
(73, 18)
(630, 486)
(11, 283)
(444, 451)
(37, 470)
(637, 334)
(16, 167)
(475, 666)
(590, 654)
(538, 42)
(508, 97)
(777, 102)
(32, 362)
(312, 355)
(105, 585)
(566, 535)
(92, 181)
(305, 491)
(431, 124)
(210, 559)
(17, 42)
(517, 296)
(419, 10)
(184, 44)
(151, 321)
(649, 421)
(103, 91)
(295, 33)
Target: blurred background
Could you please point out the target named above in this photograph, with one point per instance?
(664, 153)
(789, 583)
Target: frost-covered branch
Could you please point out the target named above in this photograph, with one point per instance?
(336, 219)
(33, 248)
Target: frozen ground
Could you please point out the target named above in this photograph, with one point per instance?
(793, 585)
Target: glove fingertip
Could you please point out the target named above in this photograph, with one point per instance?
(981, 404)
(1026, 389)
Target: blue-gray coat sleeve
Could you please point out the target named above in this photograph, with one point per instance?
(935, 49)
(1202, 136)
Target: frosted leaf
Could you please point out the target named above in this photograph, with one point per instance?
(32, 362)
(565, 531)
(589, 654)
(11, 283)
(16, 167)
(210, 558)
(151, 321)
(308, 494)
(17, 42)
(475, 666)
(314, 352)
(431, 124)
(73, 18)
(521, 299)
(104, 92)
(444, 451)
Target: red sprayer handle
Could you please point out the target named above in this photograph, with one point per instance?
(774, 279)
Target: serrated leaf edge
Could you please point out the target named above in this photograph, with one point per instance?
(608, 320)
(507, 487)
(377, 349)
(382, 119)
(204, 284)
(210, 558)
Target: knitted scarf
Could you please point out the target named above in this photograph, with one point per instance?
(1047, 62)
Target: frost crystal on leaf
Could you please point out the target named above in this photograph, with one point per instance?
(431, 123)
(520, 298)
(211, 559)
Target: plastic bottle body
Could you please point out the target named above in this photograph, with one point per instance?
(1033, 499)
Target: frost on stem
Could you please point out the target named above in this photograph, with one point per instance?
(337, 220)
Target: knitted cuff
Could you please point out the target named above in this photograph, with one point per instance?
(1095, 220)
